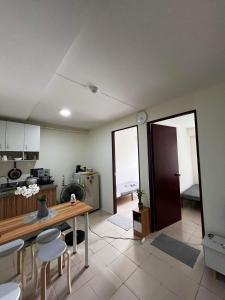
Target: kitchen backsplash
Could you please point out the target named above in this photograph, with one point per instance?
(25, 167)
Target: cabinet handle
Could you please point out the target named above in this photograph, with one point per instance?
(7, 146)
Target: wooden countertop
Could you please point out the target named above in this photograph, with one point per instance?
(15, 228)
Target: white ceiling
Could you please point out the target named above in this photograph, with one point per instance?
(139, 52)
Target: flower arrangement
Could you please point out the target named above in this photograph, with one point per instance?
(27, 191)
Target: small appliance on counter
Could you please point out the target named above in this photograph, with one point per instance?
(31, 180)
(35, 172)
(43, 176)
(80, 168)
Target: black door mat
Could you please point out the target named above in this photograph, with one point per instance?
(179, 250)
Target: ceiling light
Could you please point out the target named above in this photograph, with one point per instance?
(65, 112)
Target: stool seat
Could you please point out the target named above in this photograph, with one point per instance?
(11, 247)
(51, 251)
(9, 291)
(48, 235)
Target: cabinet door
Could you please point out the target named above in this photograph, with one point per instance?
(14, 136)
(32, 138)
(2, 135)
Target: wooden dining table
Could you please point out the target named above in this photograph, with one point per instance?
(17, 228)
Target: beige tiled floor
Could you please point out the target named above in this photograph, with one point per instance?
(126, 269)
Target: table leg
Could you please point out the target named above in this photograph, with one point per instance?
(74, 235)
(86, 239)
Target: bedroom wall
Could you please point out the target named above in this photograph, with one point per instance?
(194, 160)
(126, 155)
(210, 106)
(184, 154)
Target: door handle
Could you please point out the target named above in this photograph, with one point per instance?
(177, 174)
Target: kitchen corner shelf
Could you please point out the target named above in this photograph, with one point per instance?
(25, 155)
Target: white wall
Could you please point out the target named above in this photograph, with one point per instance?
(184, 153)
(60, 151)
(126, 155)
(194, 159)
(210, 106)
(23, 166)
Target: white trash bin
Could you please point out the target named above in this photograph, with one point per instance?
(214, 252)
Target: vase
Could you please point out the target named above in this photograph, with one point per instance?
(140, 204)
(42, 210)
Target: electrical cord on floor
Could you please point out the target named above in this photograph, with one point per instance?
(113, 237)
(126, 238)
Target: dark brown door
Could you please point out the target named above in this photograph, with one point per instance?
(165, 176)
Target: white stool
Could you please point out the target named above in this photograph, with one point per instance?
(11, 248)
(48, 235)
(42, 238)
(10, 291)
(47, 253)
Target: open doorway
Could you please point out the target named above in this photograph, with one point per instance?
(125, 155)
(175, 172)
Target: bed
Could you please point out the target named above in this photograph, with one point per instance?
(126, 188)
(192, 193)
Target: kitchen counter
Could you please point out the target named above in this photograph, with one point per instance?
(42, 188)
(47, 186)
(12, 205)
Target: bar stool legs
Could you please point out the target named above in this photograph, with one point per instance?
(60, 270)
(33, 259)
(54, 250)
(44, 276)
(48, 273)
(43, 280)
(18, 263)
(23, 268)
(68, 272)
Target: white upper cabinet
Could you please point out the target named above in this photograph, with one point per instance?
(2, 135)
(19, 137)
(14, 136)
(32, 138)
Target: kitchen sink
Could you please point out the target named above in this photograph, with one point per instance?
(7, 189)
